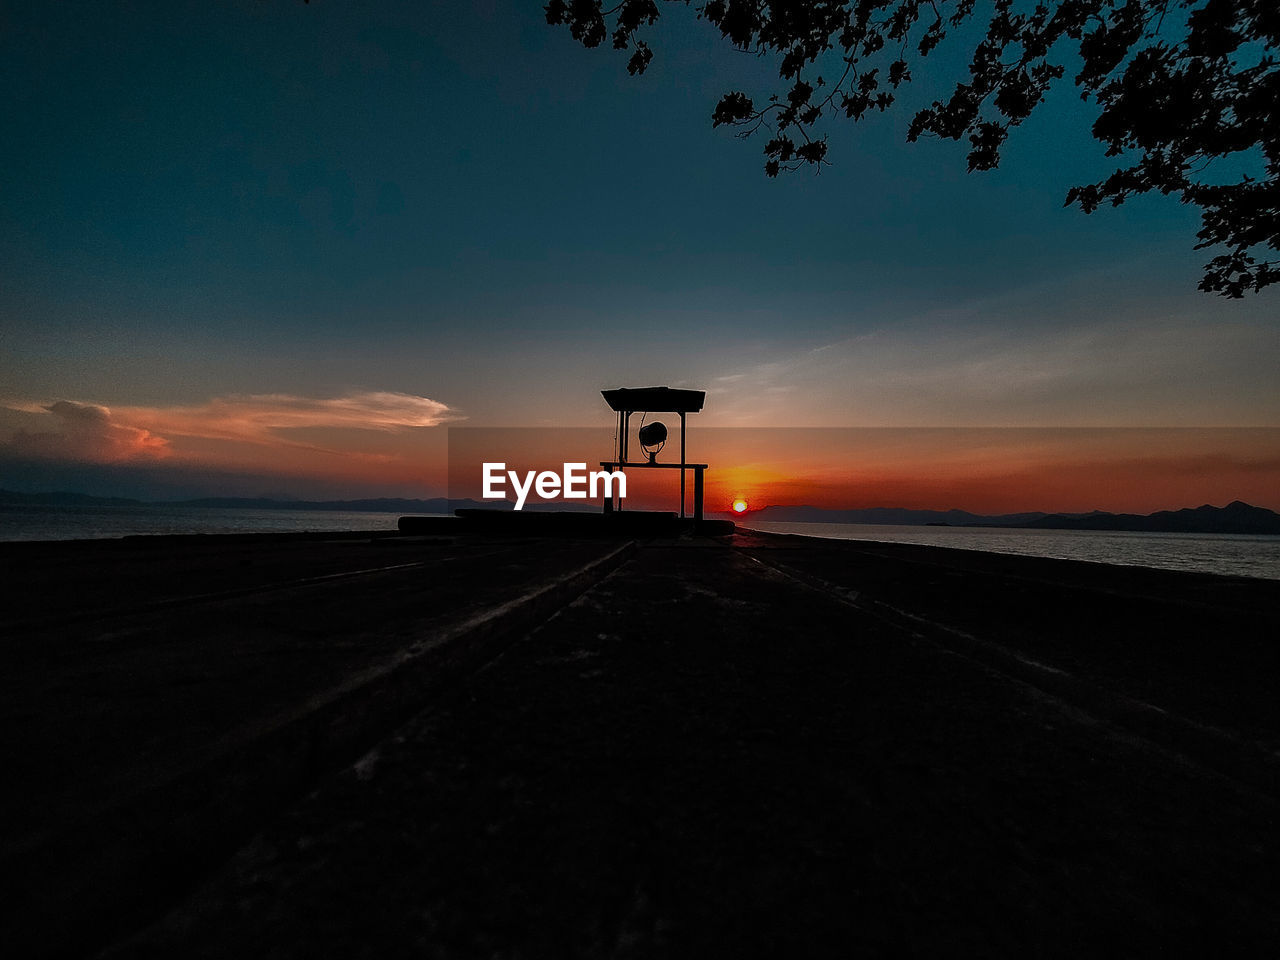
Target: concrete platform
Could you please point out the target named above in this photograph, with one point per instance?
(525, 523)
(738, 747)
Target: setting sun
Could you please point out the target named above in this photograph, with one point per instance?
(739, 506)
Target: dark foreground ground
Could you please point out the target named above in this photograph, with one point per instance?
(754, 746)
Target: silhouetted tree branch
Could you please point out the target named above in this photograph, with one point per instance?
(1179, 84)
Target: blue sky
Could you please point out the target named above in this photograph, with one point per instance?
(449, 201)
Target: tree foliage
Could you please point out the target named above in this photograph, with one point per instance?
(1180, 85)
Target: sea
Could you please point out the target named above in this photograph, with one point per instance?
(1228, 554)
(1236, 555)
(29, 522)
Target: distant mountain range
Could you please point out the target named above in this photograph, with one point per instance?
(1235, 517)
(375, 505)
(893, 515)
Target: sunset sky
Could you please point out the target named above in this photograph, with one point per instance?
(257, 248)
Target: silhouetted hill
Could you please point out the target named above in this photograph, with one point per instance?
(379, 504)
(1235, 517)
(64, 499)
(892, 515)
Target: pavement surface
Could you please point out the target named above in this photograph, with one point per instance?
(160, 696)
(765, 746)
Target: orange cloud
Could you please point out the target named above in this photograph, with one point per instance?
(94, 431)
(363, 437)
(86, 431)
(265, 418)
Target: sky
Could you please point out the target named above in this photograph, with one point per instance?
(267, 248)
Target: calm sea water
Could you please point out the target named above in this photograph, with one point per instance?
(1246, 556)
(1230, 554)
(95, 522)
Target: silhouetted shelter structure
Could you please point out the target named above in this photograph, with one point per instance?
(614, 522)
(628, 400)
